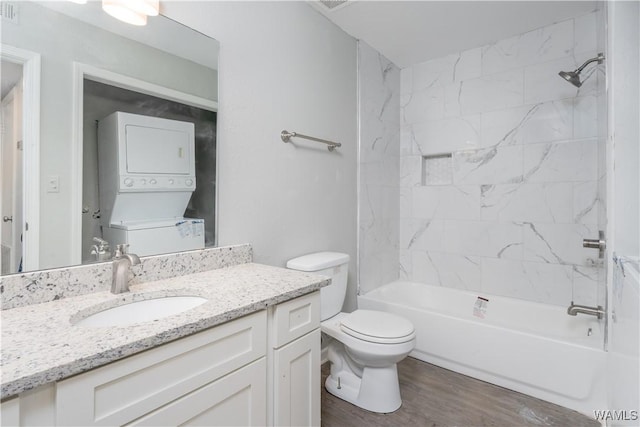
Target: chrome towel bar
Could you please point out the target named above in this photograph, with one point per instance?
(286, 137)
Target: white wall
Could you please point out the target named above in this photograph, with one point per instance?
(625, 89)
(624, 135)
(506, 213)
(282, 66)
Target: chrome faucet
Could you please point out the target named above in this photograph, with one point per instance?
(121, 263)
(101, 249)
(574, 309)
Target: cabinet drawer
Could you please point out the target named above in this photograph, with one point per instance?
(237, 399)
(125, 390)
(293, 319)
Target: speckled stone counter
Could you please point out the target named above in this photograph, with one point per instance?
(41, 345)
(35, 287)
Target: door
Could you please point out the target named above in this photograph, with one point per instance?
(158, 151)
(11, 206)
(297, 382)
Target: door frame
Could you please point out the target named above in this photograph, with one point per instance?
(30, 62)
(80, 73)
(13, 98)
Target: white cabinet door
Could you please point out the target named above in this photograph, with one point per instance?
(237, 399)
(32, 408)
(297, 382)
(10, 412)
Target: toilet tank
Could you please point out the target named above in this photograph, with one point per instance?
(332, 264)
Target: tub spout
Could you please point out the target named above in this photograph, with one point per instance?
(574, 309)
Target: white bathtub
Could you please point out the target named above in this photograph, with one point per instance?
(532, 348)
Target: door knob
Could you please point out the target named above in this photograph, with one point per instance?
(600, 244)
(7, 218)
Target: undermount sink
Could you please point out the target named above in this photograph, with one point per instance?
(141, 311)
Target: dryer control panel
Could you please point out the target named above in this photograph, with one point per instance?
(130, 183)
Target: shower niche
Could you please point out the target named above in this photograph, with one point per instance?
(437, 169)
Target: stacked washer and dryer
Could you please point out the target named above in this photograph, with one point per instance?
(146, 178)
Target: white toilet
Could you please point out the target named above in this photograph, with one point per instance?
(366, 344)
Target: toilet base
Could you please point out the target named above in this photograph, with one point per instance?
(364, 373)
(377, 391)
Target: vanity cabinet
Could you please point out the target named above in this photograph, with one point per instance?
(295, 352)
(175, 380)
(260, 369)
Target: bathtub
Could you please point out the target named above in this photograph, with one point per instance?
(532, 348)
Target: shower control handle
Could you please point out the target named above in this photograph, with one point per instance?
(598, 243)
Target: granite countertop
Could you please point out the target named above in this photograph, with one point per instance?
(41, 345)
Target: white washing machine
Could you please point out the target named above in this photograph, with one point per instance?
(158, 237)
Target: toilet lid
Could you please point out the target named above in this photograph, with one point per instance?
(378, 327)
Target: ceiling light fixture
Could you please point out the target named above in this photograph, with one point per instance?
(133, 12)
(146, 7)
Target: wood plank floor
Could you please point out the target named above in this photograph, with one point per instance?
(434, 396)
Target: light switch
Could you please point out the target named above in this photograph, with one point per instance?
(53, 184)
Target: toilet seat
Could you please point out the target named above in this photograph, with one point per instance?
(377, 327)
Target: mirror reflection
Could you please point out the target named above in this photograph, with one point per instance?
(11, 164)
(125, 150)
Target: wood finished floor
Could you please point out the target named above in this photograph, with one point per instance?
(433, 396)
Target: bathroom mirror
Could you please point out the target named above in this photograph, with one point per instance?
(77, 65)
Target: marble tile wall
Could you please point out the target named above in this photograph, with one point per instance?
(525, 184)
(379, 129)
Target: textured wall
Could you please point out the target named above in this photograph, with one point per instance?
(507, 211)
(283, 66)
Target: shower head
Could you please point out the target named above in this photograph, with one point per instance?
(573, 77)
